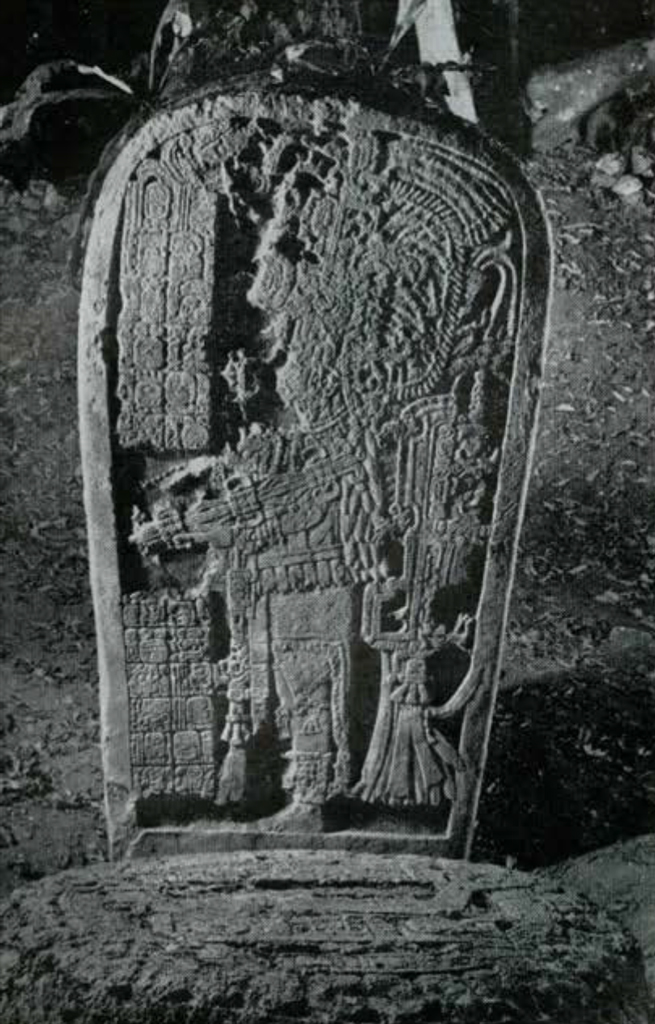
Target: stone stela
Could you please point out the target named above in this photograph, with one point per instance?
(311, 341)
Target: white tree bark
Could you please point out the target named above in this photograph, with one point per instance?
(437, 42)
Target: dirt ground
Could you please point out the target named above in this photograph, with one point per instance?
(572, 762)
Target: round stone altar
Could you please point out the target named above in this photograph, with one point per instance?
(313, 936)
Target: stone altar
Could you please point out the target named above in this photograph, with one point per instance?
(311, 338)
(314, 937)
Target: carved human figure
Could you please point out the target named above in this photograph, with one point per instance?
(317, 320)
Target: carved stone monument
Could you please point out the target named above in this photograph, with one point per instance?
(310, 349)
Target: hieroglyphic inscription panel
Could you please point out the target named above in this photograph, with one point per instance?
(172, 691)
(329, 336)
(167, 279)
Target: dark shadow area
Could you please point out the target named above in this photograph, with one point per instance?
(107, 32)
(445, 670)
(178, 809)
(343, 814)
(362, 702)
(187, 808)
(69, 137)
(219, 630)
(549, 32)
(570, 768)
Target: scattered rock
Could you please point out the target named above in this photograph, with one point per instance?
(611, 164)
(600, 180)
(641, 162)
(15, 223)
(628, 187)
(624, 642)
(30, 202)
(608, 169)
(53, 201)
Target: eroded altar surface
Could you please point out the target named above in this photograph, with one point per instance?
(317, 330)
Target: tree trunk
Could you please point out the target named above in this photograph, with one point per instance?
(438, 44)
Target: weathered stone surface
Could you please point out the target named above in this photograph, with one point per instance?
(313, 937)
(621, 880)
(310, 349)
(560, 96)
